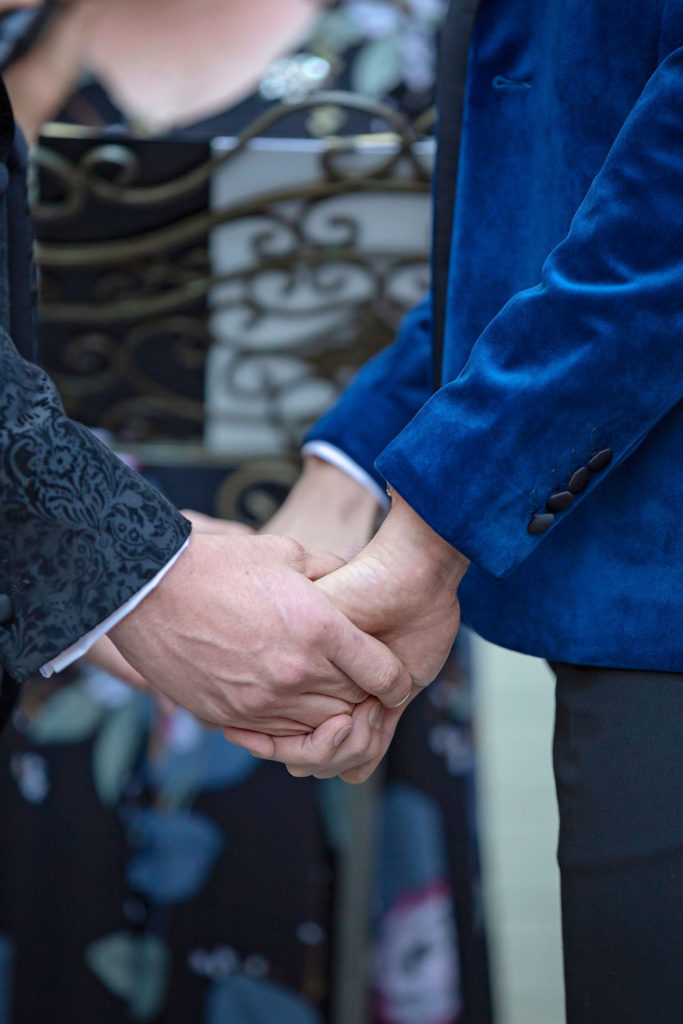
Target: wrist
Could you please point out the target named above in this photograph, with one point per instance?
(410, 543)
(317, 470)
(326, 510)
(335, 490)
(152, 610)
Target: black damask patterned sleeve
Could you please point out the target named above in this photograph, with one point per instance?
(80, 533)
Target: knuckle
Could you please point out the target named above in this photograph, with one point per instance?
(323, 628)
(388, 676)
(290, 549)
(268, 703)
(293, 671)
(254, 701)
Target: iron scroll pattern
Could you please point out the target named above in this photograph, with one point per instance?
(133, 299)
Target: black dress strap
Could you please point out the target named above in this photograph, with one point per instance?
(6, 124)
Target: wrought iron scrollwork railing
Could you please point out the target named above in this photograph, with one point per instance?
(224, 294)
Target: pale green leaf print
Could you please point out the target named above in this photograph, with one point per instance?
(377, 69)
(69, 716)
(115, 751)
(135, 969)
(112, 960)
(152, 975)
(336, 32)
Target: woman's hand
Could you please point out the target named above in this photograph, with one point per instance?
(326, 510)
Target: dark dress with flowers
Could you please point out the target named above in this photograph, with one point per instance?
(152, 872)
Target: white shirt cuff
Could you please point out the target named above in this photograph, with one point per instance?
(329, 453)
(78, 649)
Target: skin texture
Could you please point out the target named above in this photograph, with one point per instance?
(401, 587)
(41, 81)
(103, 653)
(237, 633)
(327, 510)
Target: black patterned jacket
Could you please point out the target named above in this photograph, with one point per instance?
(80, 533)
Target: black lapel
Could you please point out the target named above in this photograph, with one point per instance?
(450, 97)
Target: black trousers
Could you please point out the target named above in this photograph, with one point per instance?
(618, 756)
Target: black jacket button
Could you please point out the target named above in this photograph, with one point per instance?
(600, 460)
(541, 522)
(579, 481)
(6, 609)
(559, 501)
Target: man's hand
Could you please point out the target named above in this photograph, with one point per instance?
(103, 654)
(237, 633)
(401, 588)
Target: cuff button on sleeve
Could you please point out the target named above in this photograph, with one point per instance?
(579, 480)
(540, 523)
(559, 501)
(600, 460)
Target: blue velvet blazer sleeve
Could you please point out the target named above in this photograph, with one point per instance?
(384, 396)
(591, 358)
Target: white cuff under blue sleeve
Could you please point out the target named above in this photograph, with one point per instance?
(78, 649)
(330, 453)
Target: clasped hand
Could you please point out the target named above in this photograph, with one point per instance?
(300, 656)
(237, 633)
(401, 589)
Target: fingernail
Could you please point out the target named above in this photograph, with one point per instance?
(376, 716)
(341, 735)
(402, 702)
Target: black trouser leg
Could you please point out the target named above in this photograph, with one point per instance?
(618, 756)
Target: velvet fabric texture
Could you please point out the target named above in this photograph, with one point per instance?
(562, 338)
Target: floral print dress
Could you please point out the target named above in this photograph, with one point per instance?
(153, 872)
(150, 871)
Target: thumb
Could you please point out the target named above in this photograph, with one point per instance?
(358, 594)
(257, 743)
(321, 563)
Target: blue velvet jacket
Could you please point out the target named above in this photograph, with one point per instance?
(563, 338)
